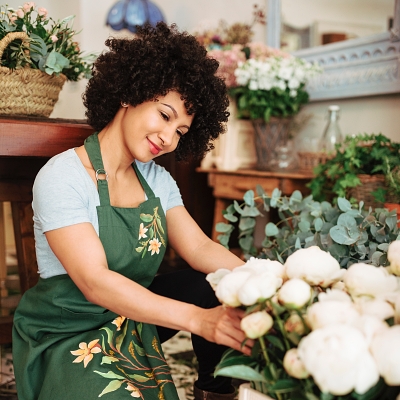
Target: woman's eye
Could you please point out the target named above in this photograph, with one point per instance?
(180, 134)
(165, 116)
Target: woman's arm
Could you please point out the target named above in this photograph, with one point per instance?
(80, 251)
(194, 246)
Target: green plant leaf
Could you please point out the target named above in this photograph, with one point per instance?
(271, 229)
(318, 224)
(110, 375)
(223, 227)
(340, 235)
(139, 378)
(108, 360)
(304, 226)
(240, 372)
(247, 223)
(146, 217)
(249, 198)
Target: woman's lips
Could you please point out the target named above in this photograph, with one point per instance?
(154, 149)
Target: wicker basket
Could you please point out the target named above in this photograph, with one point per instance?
(27, 91)
(369, 183)
(308, 160)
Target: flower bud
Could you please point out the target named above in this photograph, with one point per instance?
(42, 12)
(256, 324)
(53, 38)
(294, 293)
(393, 256)
(295, 324)
(293, 365)
(20, 13)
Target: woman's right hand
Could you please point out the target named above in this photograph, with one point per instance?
(221, 325)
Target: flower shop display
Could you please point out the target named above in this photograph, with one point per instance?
(357, 170)
(37, 55)
(321, 331)
(351, 233)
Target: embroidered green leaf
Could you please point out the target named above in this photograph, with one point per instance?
(146, 217)
(139, 378)
(144, 251)
(109, 334)
(108, 360)
(158, 220)
(139, 328)
(139, 249)
(111, 387)
(121, 337)
(151, 232)
(110, 375)
(139, 350)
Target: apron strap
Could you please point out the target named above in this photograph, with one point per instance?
(92, 147)
(147, 189)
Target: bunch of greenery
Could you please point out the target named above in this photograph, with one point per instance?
(392, 175)
(361, 154)
(349, 233)
(51, 46)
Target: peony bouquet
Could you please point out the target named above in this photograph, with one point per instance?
(272, 86)
(50, 46)
(321, 332)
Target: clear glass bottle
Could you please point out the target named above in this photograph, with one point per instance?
(332, 133)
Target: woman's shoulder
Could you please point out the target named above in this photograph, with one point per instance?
(151, 171)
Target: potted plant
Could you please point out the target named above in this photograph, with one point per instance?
(392, 195)
(320, 332)
(357, 170)
(37, 54)
(349, 232)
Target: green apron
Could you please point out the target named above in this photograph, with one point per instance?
(67, 348)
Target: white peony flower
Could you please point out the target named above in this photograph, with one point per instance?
(260, 265)
(295, 293)
(214, 277)
(228, 286)
(294, 366)
(393, 255)
(369, 325)
(367, 280)
(376, 307)
(315, 266)
(338, 359)
(332, 312)
(334, 294)
(258, 286)
(256, 324)
(385, 349)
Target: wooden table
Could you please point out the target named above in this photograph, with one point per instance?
(25, 146)
(231, 185)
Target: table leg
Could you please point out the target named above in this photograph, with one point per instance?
(22, 214)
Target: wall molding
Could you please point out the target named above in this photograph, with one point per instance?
(364, 66)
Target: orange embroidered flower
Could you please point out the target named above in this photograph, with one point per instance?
(154, 246)
(85, 352)
(142, 231)
(135, 391)
(118, 322)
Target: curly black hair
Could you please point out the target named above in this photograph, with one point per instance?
(160, 59)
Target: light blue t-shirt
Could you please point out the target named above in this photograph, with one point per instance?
(64, 195)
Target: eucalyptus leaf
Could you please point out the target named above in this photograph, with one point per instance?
(249, 198)
(223, 227)
(247, 223)
(304, 226)
(271, 229)
(344, 204)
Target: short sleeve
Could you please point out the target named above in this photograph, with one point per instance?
(60, 195)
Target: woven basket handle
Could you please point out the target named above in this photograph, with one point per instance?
(10, 37)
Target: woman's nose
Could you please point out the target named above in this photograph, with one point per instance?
(168, 136)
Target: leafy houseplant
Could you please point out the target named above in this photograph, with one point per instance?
(361, 154)
(350, 233)
(51, 47)
(320, 332)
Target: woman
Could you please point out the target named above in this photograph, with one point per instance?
(103, 213)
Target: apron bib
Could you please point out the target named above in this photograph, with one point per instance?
(67, 348)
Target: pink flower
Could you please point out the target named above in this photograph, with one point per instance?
(42, 12)
(12, 18)
(53, 38)
(28, 6)
(86, 351)
(20, 13)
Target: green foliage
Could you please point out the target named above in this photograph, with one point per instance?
(350, 233)
(361, 154)
(51, 49)
(392, 175)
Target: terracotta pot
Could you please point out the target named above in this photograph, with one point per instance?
(247, 393)
(394, 206)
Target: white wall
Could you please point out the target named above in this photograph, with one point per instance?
(374, 114)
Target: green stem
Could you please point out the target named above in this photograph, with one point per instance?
(264, 349)
(282, 328)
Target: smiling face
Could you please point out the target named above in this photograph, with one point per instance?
(154, 128)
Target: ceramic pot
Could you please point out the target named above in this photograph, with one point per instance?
(247, 393)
